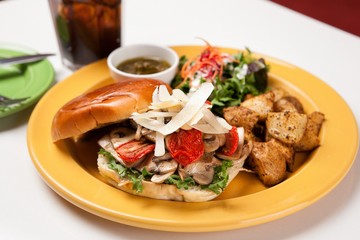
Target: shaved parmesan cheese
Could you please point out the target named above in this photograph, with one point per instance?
(211, 119)
(207, 128)
(164, 94)
(180, 95)
(166, 104)
(176, 108)
(151, 124)
(224, 123)
(184, 111)
(165, 100)
(153, 114)
(186, 127)
(155, 96)
(196, 118)
(194, 104)
(159, 143)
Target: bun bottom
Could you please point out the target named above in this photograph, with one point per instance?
(164, 191)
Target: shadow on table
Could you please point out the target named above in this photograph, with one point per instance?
(15, 120)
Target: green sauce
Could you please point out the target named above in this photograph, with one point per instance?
(143, 65)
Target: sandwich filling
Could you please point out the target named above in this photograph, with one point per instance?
(177, 141)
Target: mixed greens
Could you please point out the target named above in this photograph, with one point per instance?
(233, 76)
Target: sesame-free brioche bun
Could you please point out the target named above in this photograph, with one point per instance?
(103, 106)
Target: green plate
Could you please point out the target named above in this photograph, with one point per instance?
(30, 80)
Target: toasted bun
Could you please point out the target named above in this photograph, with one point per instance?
(167, 191)
(103, 106)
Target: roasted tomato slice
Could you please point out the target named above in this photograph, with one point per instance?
(134, 150)
(186, 146)
(231, 143)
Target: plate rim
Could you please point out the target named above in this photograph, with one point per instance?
(219, 206)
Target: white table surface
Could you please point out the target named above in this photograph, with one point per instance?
(29, 209)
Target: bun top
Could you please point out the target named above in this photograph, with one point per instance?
(103, 106)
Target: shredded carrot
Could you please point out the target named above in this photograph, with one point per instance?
(210, 62)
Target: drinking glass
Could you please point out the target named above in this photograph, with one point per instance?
(86, 30)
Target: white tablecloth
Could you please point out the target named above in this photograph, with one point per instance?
(29, 209)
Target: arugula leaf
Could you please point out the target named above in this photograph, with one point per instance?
(221, 177)
(181, 184)
(133, 175)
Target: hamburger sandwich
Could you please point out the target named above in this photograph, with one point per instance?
(160, 143)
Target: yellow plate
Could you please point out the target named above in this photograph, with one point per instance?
(245, 203)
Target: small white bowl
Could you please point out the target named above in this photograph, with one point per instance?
(128, 52)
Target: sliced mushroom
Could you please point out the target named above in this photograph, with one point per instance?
(121, 135)
(202, 171)
(162, 170)
(166, 156)
(222, 139)
(236, 155)
(145, 131)
(160, 178)
(204, 177)
(245, 152)
(145, 162)
(150, 135)
(213, 141)
(106, 144)
(162, 167)
(210, 142)
(208, 157)
(181, 172)
(138, 132)
(133, 124)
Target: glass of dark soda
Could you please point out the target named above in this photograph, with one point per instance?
(86, 30)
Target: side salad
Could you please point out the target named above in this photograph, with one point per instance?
(233, 76)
